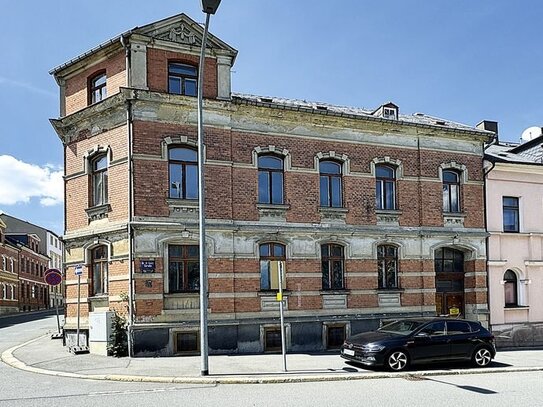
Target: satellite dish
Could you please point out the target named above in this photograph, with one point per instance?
(530, 133)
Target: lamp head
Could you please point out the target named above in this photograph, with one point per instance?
(210, 6)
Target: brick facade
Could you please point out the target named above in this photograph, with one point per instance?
(238, 131)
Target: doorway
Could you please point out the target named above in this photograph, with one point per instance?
(449, 268)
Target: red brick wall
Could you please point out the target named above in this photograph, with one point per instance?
(157, 70)
(76, 86)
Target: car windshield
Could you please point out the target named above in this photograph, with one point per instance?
(401, 327)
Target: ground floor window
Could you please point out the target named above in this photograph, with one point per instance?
(183, 268)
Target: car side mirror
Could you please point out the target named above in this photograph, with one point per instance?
(422, 336)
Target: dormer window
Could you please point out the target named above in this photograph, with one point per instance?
(390, 113)
(97, 88)
(182, 79)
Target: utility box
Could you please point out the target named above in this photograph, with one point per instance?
(100, 331)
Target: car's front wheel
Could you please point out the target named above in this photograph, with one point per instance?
(482, 357)
(397, 361)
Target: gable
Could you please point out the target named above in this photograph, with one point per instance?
(181, 29)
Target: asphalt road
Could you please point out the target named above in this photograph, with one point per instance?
(18, 388)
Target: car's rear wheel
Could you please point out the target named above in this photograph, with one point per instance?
(397, 361)
(482, 357)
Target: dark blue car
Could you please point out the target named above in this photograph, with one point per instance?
(412, 341)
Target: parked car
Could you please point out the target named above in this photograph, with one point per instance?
(412, 341)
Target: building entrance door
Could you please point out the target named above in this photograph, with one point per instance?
(449, 268)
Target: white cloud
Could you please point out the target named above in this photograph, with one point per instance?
(20, 181)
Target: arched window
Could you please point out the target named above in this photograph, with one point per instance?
(4, 267)
(97, 88)
(99, 270)
(330, 184)
(270, 256)
(510, 288)
(387, 266)
(182, 79)
(451, 191)
(183, 268)
(332, 263)
(270, 179)
(99, 180)
(183, 173)
(385, 188)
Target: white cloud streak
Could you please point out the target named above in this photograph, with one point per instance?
(26, 86)
(20, 182)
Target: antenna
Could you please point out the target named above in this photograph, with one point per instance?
(530, 133)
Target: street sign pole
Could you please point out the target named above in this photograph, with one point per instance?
(53, 277)
(76, 350)
(280, 270)
(78, 305)
(56, 307)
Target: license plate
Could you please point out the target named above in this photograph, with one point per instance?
(349, 352)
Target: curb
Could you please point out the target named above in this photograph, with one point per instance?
(8, 358)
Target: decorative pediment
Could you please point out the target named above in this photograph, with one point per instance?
(181, 29)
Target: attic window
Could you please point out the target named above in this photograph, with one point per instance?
(97, 87)
(441, 122)
(266, 100)
(390, 113)
(319, 107)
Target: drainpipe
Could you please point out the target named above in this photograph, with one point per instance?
(487, 239)
(130, 204)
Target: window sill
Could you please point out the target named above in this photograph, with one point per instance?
(183, 207)
(390, 290)
(388, 212)
(279, 207)
(516, 307)
(341, 291)
(183, 294)
(271, 293)
(98, 212)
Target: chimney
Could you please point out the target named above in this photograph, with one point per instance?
(489, 125)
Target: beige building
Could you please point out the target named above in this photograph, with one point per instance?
(514, 199)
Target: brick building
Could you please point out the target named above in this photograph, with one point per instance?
(9, 274)
(374, 214)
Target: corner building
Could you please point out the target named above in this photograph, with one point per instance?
(375, 214)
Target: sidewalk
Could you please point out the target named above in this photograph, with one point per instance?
(46, 356)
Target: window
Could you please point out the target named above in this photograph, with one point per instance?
(186, 342)
(272, 339)
(183, 173)
(510, 288)
(11, 265)
(449, 260)
(330, 184)
(332, 267)
(385, 188)
(458, 327)
(99, 270)
(387, 266)
(183, 268)
(451, 191)
(270, 179)
(99, 181)
(97, 88)
(270, 256)
(390, 113)
(4, 263)
(510, 214)
(335, 336)
(3, 291)
(182, 79)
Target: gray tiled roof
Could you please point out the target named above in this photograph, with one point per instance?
(298, 104)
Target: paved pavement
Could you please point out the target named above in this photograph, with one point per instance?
(46, 356)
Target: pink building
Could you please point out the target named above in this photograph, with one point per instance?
(514, 203)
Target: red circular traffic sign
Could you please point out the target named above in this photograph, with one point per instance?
(53, 277)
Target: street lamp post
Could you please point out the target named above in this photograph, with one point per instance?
(208, 7)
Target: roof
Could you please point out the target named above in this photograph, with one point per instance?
(530, 152)
(152, 30)
(420, 119)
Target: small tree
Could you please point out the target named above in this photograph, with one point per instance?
(118, 346)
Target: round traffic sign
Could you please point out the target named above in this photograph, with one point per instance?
(53, 277)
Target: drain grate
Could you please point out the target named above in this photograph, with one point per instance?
(414, 378)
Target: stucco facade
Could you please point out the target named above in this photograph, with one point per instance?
(385, 250)
(515, 254)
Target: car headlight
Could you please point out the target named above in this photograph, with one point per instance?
(372, 347)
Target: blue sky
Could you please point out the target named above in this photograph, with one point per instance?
(463, 60)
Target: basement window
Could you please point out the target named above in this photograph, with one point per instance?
(335, 336)
(272, 340)
(186, 342)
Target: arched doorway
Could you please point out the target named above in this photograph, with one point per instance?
(449, 268)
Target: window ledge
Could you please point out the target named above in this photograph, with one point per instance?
(389, 290)
(273, 212)
(279, 207)
(388, 217)
(183, 294)
(517, 307)
(388, 212)
(99, 297)
(271, 293)
(183, 207)
(454, 214)
(98, 212)
(335, 292)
